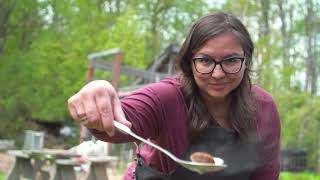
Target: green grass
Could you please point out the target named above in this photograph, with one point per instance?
(1, 176)
(299, 176)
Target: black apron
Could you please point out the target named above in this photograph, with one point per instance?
(238, 154)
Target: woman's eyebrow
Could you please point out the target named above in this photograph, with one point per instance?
(232, 55)
(205, 55)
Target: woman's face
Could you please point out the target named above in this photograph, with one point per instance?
(217, 85)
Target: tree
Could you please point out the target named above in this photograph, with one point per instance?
(311, 60)
(6, 8)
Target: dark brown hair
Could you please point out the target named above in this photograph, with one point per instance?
(242, 106)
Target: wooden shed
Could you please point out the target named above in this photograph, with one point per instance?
(161, 66)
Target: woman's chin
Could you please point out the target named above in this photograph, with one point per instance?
(217, 95)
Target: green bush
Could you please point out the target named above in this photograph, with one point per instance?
(300, 122)
(299, 176)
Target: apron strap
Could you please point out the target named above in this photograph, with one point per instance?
(144, 172)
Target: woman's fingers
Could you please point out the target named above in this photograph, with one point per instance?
(118, 112)
(90, 108)
(76, 107)
(72, 108)
(96, 105)
(105, 109)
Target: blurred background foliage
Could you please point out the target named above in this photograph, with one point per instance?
(44, 46)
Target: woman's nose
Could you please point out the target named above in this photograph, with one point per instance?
(217, 72)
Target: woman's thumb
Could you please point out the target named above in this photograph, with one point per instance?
(118, 113)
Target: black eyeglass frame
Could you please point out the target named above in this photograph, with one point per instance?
(217, 63)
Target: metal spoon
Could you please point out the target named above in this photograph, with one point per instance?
(193, 166)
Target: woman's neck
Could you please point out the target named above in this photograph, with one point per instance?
(218, 108)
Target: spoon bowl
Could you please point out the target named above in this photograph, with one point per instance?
(199, 167)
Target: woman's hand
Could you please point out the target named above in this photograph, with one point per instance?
(96, 105)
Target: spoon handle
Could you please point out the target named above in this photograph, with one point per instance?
(127, 130)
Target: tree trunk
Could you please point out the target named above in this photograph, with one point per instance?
(264, 33)
(318, 153)
(301, 132)
(311, 62)
(6, 8)
(286, 41)
(265, 6)
(158, 9)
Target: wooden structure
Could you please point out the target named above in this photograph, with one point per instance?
(161, 67)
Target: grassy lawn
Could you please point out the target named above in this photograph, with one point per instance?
(299, 176)
(1, 176)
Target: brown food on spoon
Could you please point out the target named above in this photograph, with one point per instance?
(201, 157)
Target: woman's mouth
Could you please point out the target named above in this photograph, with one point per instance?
(217, 86)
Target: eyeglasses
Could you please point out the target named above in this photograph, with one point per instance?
(206, 65)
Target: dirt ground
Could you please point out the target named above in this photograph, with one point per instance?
(7, 161)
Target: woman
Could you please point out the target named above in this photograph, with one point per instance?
(209, 106)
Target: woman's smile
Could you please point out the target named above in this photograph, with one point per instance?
(217, 86)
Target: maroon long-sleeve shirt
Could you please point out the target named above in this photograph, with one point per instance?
(159, 112)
